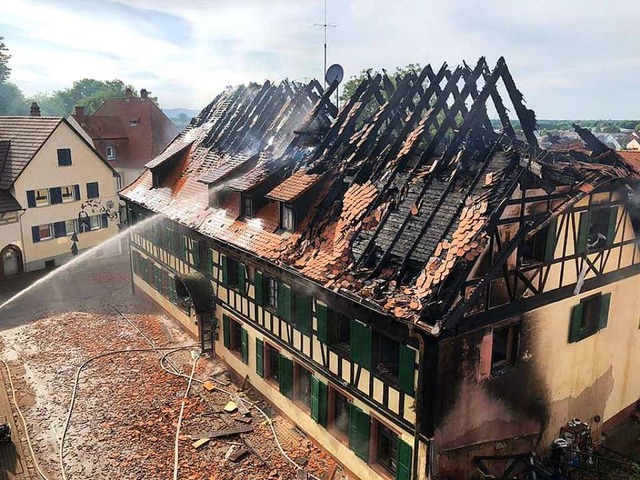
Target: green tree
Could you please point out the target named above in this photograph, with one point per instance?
(5, 70)
(12, 101)
(88, 93)
(350, 85)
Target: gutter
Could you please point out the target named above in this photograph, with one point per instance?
(418, 403)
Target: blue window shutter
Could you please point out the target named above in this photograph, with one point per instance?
(55, 194)
(31, 198)
(76, 191)
(59, 229)
(35, 234)
(105, 220)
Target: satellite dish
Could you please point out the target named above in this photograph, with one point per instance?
(335, 73)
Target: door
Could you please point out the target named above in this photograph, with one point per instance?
(10, 262)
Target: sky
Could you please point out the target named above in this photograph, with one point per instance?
(572, 59)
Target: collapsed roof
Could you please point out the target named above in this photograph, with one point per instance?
(403, 184)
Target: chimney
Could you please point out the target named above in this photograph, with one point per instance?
(80, 112)
(144, 93)
(128, 93)
(35, 110)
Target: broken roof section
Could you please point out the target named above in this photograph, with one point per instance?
(413, 178)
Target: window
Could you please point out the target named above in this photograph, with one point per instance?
(236, 337)
(301, 317)
(504, 350)
(339, 414)
(247, 206)
(68, 194)
(133, 123)
(589, 316)
(64, 157)
(70, 227)
(386, 357)
(273, 363)
(597, 229)
(95, 222)
(230, 271)
(387, 449)
(45, 232)
(93, 190)
(339, 331)
(272, 292)
(119, 182)
(42, 197)
(111, 153)
(540, 247)
(286, 218)
(303, 386)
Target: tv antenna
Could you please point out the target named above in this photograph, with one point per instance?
(325, 25)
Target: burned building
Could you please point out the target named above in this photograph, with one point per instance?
(409, 285)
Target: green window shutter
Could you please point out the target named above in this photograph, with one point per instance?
(319, 395)
(257, 280)
(611, 230)
(245, 346)
(285, 372)
(303, 313)
(405, 459)
(157, 278)
(242, 278)
(226, 331)
(196, 253)
(321, 316)
(550, 245)
(209, 265)
(173, 295)
(361, 344)
(576, 321)
(359, 432)
(225, 272)
(259, 357)
(407, 369)
(583, 232)
(605, 301)
(284, 301)
(184, 250)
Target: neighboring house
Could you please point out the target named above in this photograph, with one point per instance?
(410, 287)
(47, 172)
(634, 144)
(128, 132)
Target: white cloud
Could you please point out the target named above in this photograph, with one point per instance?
(557, 50)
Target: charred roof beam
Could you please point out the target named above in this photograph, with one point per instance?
(526, 116)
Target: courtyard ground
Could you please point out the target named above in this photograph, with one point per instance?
(125, 417)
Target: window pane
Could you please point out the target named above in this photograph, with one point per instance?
(341, 413)
(95, 222)
(304, 386)
(70, 226)
(45, 231)
(387, 448)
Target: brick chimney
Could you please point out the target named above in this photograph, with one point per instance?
(144, 93)
(128, 93)
(80, 112)
(35, 110)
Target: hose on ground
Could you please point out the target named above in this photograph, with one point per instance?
(74, 392)
(24, 422)
(184, 401)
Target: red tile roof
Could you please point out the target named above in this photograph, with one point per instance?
(135, 126)
(632, 158)
(294, 186)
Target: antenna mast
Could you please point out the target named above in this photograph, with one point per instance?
(325, 25)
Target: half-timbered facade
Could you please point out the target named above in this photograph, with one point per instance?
(407, 284)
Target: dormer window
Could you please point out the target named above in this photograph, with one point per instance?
(111, 153)
(287, 218)
(247, 206)
(133, 123)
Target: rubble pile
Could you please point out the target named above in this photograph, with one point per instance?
(126, 413)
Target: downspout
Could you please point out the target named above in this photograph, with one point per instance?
(24, 247)
(418, 404)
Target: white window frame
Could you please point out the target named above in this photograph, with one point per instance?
(111, 152)
(43, 238)
(98, 221)
(288, 222)
(133, 123)
(68, 194)
(40, 200)
(74, 226)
